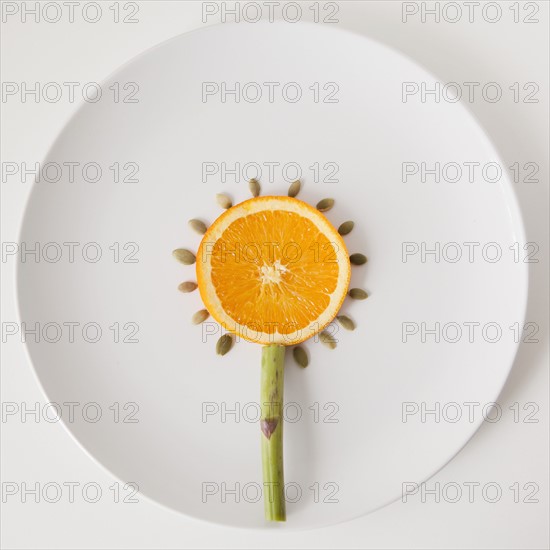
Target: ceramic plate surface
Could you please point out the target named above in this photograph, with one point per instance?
(166, 143)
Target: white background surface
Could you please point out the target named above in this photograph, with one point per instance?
(504, 452)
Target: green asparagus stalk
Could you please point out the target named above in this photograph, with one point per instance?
(271, 423)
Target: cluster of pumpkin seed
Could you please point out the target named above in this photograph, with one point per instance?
(186, 257)
(299, 353)
(226, 341)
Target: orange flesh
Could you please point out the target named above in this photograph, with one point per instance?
(273, 270)
(281, 279)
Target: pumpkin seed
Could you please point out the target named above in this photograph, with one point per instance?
(254, 186)
(294, 189)
(200, 317)
(327, 339)
(197, 226)
(358, 259)
(300, 356)
(346, 322)
(224, 344)
(184, 256)
(189, 286)
(346, 228)
(358, 294)
(325, 204)
(223, 200)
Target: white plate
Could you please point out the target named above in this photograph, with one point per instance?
(367, 455)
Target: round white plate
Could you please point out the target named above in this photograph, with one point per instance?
(351, 449)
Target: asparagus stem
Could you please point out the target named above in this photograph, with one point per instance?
(271, 423)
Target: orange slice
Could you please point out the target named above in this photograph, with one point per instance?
(273, 270)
